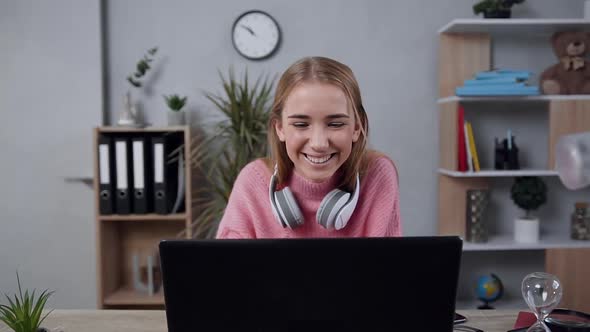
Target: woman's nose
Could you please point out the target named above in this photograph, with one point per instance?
(319, 139)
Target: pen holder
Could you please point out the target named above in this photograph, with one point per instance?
(506, 157)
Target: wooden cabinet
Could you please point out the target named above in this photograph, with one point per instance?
(119, 236)
(466, 48)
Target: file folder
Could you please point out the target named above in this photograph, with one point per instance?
(124, 178)
(106, 175)
(166, 177)
(142, 178)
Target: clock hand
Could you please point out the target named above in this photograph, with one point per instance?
(249, 29)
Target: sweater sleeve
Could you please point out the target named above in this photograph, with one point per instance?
(238, 218)
(382, 190)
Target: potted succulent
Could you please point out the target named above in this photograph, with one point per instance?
(495, 8)
(238, 138)
(130, 116)
(528, 193)
(175, 114)
(24, 313)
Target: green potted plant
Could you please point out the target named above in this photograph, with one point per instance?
(528, 193)
(495, 8)
(130, 116)
(24, 313)
(176, 115)
(238, 138)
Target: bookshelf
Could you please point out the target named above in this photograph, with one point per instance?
(465, 48)
(119, 236)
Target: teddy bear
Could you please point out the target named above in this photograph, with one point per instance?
(572, 74)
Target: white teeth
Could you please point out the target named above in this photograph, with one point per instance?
(320, 160)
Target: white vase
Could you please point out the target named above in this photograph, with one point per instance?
(526, 230)
(176, 118)
(129, 116)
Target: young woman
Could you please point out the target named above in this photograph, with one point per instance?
(321, 181)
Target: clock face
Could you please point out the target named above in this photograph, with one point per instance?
(256, 35)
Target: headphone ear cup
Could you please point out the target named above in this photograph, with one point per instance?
(330, 207)
(288, 209)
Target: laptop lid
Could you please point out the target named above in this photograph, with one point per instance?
(338, 284)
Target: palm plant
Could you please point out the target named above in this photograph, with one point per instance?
(236, 140)
(23, 314)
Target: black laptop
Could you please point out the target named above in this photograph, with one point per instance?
(342, 284)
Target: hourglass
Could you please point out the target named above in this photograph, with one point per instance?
(542, 292)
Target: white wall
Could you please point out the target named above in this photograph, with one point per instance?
(50, 98)
(390, 45)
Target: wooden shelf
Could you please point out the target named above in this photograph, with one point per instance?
(127, 296)
(119, 236)
(512, 99)
(514, 26)
(506, 242)
(144, 217)
(495, 173)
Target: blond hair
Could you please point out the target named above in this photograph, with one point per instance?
(322, 70)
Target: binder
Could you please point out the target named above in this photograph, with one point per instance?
(160, 170)
(166, 180)
(142, 178)
(106, 175)
(124, 178)
(461, 152)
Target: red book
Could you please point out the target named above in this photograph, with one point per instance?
(461, 152)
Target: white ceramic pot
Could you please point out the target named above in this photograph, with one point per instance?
(176, 118)
(526, 230)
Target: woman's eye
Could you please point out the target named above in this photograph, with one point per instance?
(299, 124)
(336, 124)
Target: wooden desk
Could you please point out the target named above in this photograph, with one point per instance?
(155, 320)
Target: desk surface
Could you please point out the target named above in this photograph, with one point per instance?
(155, 320)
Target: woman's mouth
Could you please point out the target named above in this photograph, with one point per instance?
(318, 160)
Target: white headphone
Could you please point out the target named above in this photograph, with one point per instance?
(334, 211)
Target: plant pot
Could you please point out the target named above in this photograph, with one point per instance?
(176, 118)
(506, 13)
(526, 230)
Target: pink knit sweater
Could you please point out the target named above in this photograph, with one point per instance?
(249, 214)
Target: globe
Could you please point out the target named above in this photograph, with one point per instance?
(489, 289)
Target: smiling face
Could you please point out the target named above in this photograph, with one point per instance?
(318, 128)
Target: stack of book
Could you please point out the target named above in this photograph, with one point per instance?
(467, 157)
(498, 83)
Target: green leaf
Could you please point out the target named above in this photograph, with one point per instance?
(23, 312)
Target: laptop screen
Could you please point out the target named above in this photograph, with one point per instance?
(371, 284)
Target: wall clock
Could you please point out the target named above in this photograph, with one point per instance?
(256, 35)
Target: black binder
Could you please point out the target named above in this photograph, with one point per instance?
(165, 174)
(124, 178)
(106, 175)
(142, 175)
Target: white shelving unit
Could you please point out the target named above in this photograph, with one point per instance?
(506, 242)
(513, 99)
(466, 47)
(513, 26)
(496, 173)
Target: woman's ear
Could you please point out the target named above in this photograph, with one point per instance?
(279, 130)
(357, 131)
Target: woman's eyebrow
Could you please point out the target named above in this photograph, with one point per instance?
(331, 116)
